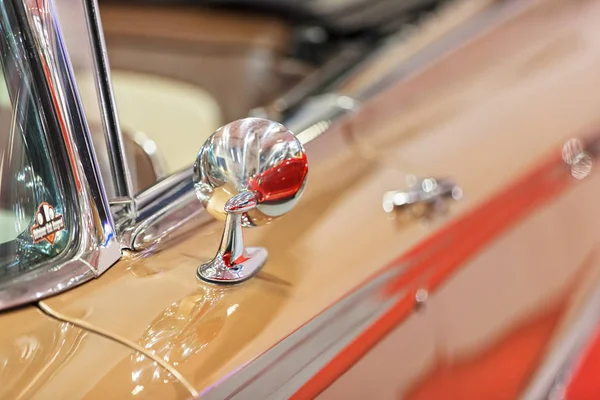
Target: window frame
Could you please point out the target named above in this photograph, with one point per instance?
(93, 246)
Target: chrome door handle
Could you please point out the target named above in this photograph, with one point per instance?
(429, 192)
(249, 173)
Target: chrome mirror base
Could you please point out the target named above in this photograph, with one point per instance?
(216, 270)
(234, 262)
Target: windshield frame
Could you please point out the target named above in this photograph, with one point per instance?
(92, 247)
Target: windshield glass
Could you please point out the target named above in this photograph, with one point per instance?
(33, 219)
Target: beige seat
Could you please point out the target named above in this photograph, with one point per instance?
(175, 115)
(172, 118)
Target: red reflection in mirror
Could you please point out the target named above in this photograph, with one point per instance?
(281, 181)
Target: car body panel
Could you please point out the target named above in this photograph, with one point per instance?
(485, 115)
(45, 358)
(501, 311)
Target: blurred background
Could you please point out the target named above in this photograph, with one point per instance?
(182, 69)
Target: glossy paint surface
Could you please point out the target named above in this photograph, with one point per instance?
(44, 358)
(487, 114)
(485, 338)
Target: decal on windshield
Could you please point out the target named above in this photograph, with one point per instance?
(47, 224)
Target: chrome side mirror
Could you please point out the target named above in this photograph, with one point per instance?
(248, 173)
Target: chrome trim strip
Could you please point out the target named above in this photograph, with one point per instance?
(96, 247)
(162, 208)
(149, 233)
(283, 369)
(162, 188)
(110, 120)
(343, 63)
(550, 382)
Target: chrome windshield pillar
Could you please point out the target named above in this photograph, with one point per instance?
(92, 246)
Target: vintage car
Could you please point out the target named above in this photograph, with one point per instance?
(401, 202)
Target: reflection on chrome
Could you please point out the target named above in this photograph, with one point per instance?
(424, 196)
(318, 113)
(579, 160)
(255, 155)
(421, 296)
